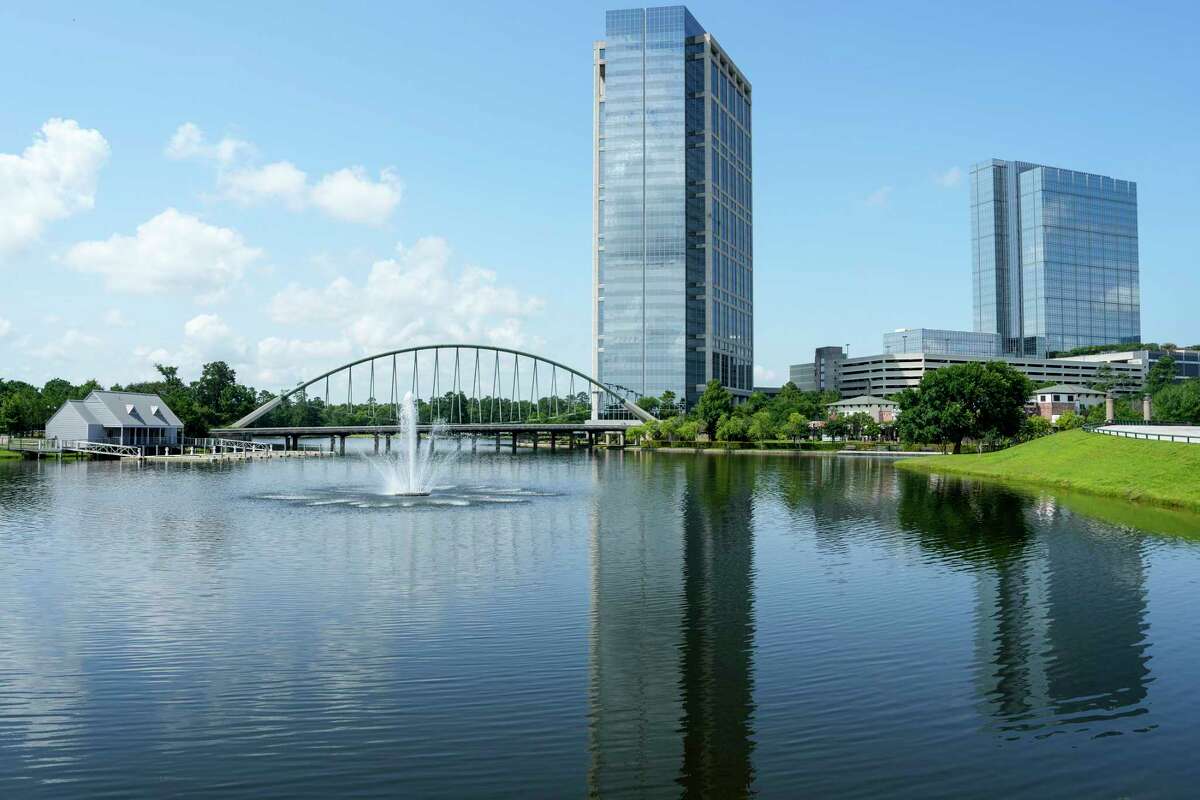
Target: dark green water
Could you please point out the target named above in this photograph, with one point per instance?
(616, 625)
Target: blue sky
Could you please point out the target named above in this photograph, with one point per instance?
(365, 176)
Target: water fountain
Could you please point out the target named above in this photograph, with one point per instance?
(409, 470)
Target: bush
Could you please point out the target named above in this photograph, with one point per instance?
(1037, 427)
(1069, 421)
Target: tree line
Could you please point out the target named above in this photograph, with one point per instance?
(213, 399)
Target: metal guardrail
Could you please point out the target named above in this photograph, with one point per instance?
(1146, 435)
(29, 444)
(102, 448)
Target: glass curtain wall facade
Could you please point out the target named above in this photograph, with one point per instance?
(672, 259)
(941, 342)
(1055, 257)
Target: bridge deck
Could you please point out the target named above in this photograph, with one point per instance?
(481, 428)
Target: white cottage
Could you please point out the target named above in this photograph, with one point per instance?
(128, 418)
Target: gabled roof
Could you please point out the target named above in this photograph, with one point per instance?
(131, 410)
(80, 408)
(1067, 388)
(864, 400)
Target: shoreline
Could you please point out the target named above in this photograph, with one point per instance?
(1161, 474)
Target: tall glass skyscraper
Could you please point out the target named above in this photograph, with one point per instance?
(673, 249)
(1055, 257)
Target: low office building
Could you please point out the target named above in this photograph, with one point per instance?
(823, 373)
(1187, 362)
(879, 409)
(889, 373)
(937, 341)
(128, 418)
(1054, 401)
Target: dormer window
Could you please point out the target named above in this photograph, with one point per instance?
(154, 411)
(129, 409)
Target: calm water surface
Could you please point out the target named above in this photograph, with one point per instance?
(616, 625)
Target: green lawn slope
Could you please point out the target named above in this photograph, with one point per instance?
(1159, 472)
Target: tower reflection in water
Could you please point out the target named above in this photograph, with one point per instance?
(1060, 604)
(671, 706)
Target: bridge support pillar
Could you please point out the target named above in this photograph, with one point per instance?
(535, 441)
(332, 443)
(342, 445)
(377, 444)
(497, 443)
(514, 441)
(387, 443)
(553, 442)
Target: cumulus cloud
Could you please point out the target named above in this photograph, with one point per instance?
(52, 179)
(172, 252)
(950, 178)
(417, 297)
(282, 361)
(349, 194)
(210, 338)
(280, 181)
(880, 196)
(189, 141)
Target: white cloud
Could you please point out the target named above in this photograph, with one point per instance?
(114, 318)
(190, 142)
(71, 343)
(172, 252)
(950, 178)
(281, 362)
(280, 181)
(52, 179)
(765, 377)
(5, 327)
(880, 196)
(210, 337)
(350, 195)
(418, 297)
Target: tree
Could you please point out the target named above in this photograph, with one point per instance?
(688, 430)
(756, 402)
(795, 427)
(836, 428)
(732, 428)
(667, 406)
(713, 404)
(1160, 375)
(1179, 402)
(974, 400)
(761, 427)
(669, 428)
(860, 425)
(648, 403)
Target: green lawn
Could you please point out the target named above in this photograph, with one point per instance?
(6, 454)
(1157, 472)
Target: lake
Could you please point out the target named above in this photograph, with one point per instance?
(612, 624)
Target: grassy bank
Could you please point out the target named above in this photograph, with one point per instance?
(1157, 472)
(9, 454)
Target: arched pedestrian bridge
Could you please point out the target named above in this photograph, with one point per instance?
(459, 388)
